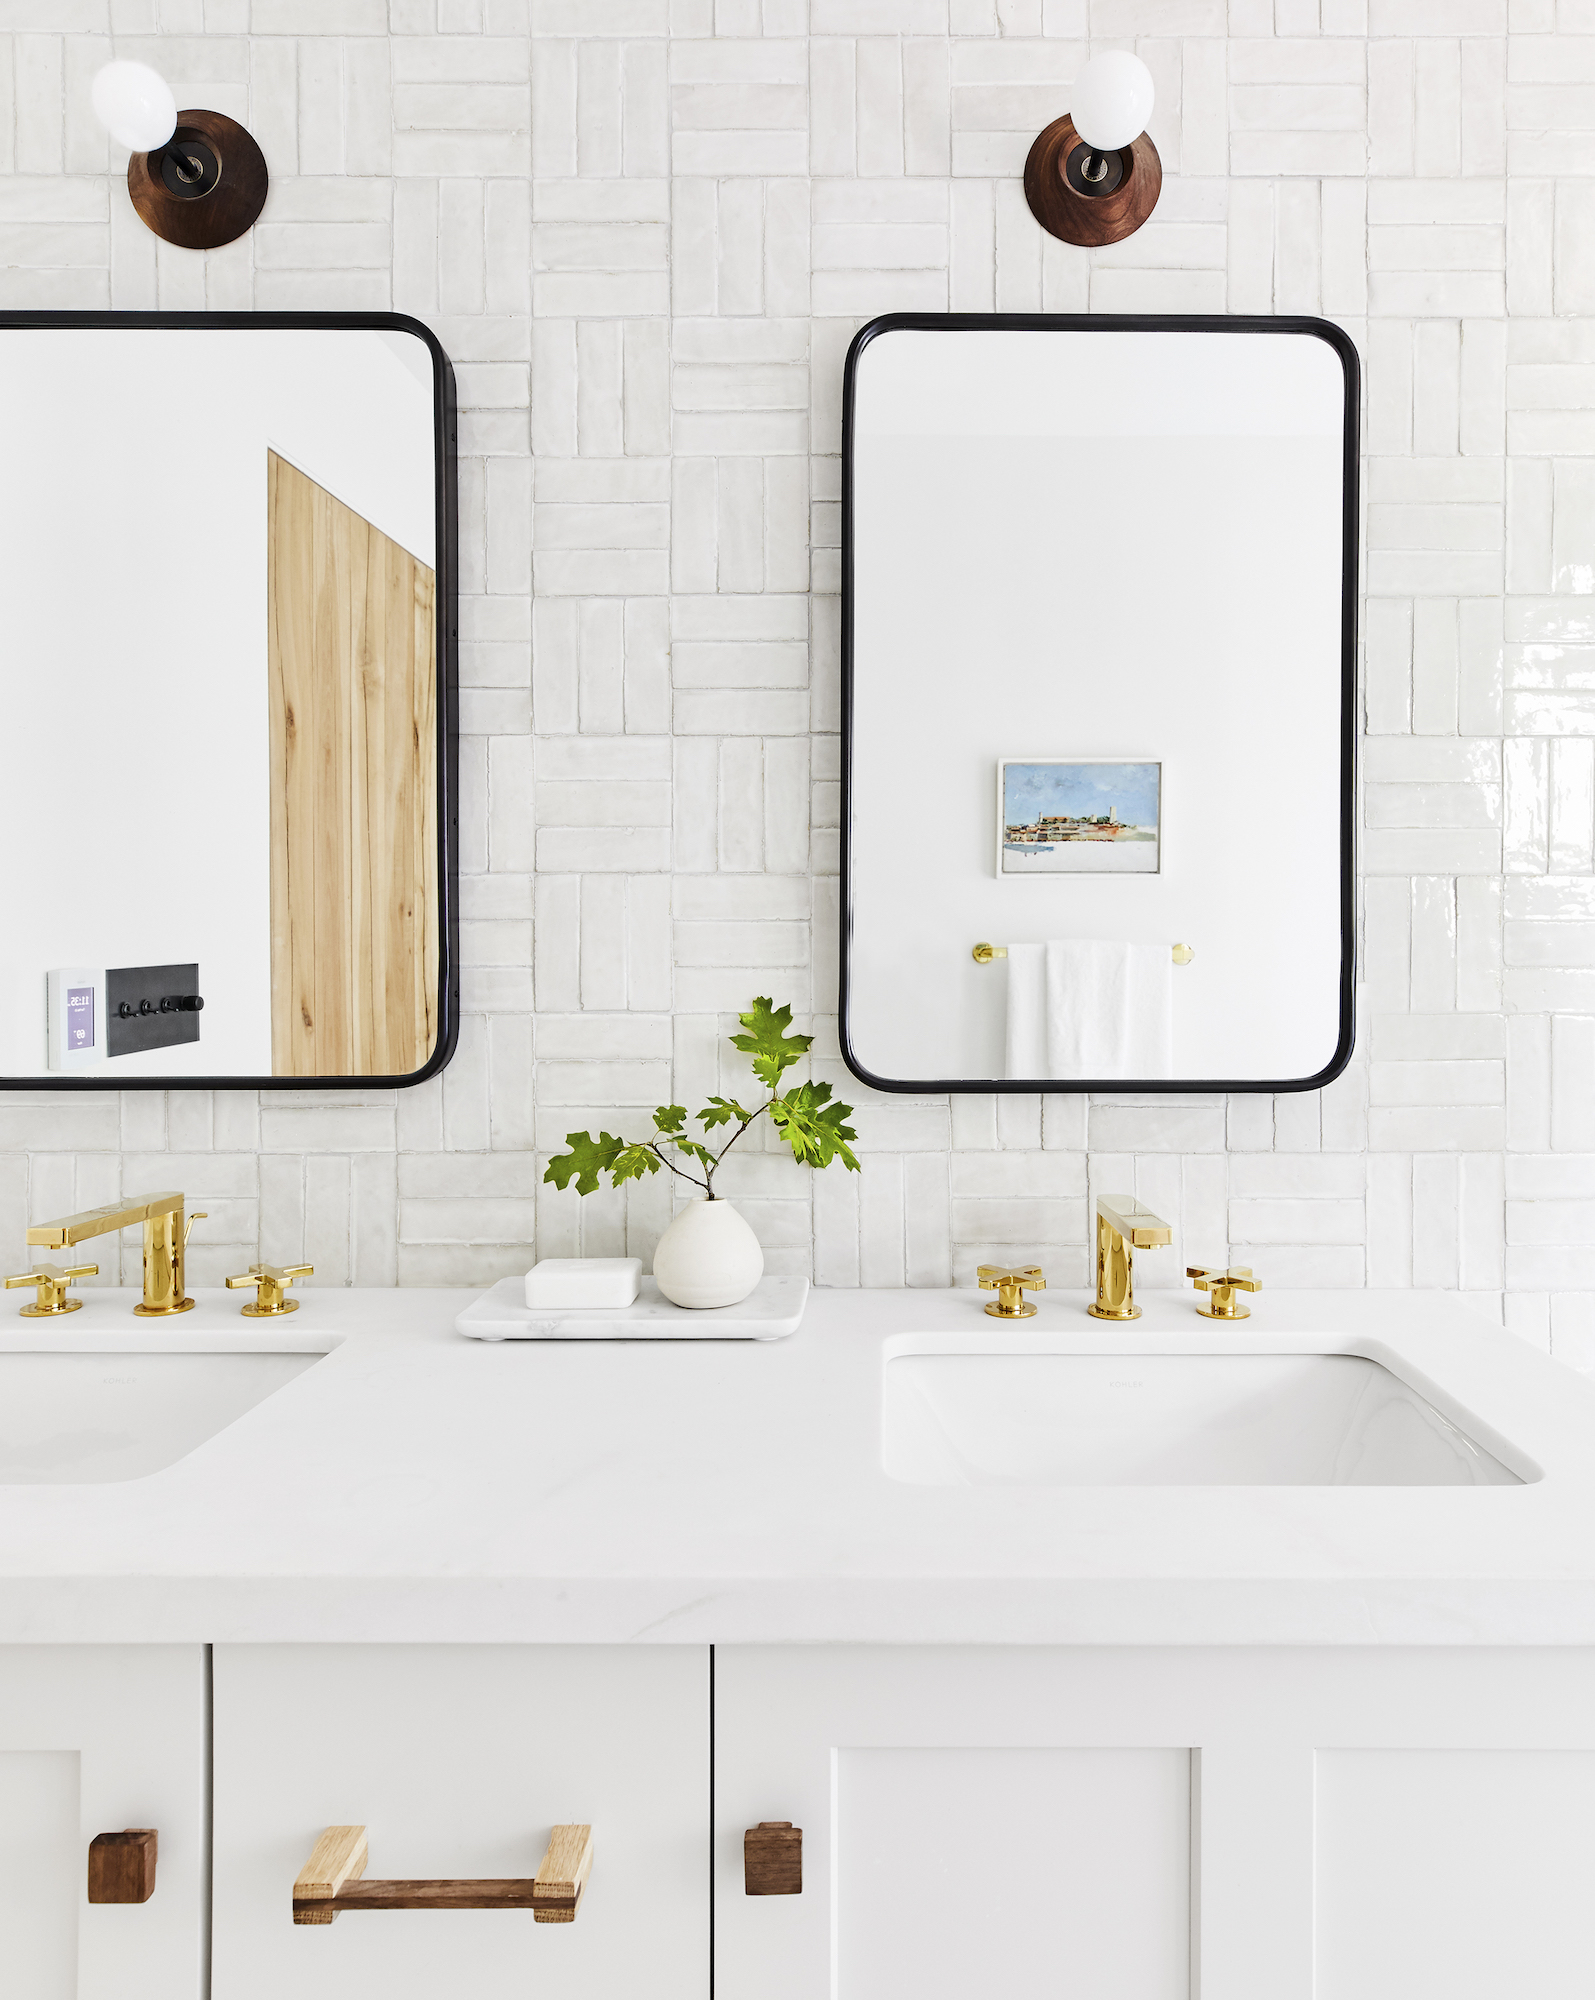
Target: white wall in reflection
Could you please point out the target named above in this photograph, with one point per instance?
(135, 818)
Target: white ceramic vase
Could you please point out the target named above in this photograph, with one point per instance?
(708, 1257)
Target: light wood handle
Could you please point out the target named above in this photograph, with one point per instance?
(329, 1882)
(339, 1856)
(562, 1875)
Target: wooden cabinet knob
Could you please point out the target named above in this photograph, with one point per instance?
(122, 1865)
(772, 1859)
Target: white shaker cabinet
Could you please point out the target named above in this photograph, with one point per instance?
(458, 1761)
(1269, 1824)
(98, 1739)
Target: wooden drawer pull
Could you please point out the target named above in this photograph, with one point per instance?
(330, 1881)
(122, 1866)
(772, 1859)
(338, 1857)
(562, 1874)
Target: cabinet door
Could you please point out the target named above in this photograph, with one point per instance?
(94, 1739)
(1264, 1824)
(458, 1760)
(970, 1826)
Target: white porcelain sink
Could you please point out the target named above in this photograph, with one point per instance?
(1143, 1419)
(71, 1415)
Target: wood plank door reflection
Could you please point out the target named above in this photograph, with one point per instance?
(351, 658)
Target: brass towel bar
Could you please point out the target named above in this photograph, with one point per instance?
(983, 954)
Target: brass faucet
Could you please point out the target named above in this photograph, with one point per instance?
(1123, 1227)
(165, 1236)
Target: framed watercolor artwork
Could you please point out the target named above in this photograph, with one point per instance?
(1078, 816)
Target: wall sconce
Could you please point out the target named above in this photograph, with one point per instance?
(197, 178)
(1093, 176)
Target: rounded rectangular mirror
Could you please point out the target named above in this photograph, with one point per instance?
(227, 553)
(1098, 631)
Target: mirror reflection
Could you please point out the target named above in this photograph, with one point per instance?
(221, 572)
(1099, 748)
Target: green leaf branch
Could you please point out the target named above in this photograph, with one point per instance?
(804, 1116)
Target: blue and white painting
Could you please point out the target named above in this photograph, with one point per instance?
(1088, 817)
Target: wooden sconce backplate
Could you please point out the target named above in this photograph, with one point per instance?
(1091, 220)
(208, 220)
(772, 1859)
(122, 1866)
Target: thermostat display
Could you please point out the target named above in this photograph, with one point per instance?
(80, 1017)
(75, 1011)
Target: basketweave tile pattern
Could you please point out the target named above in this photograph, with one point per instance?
(646, 230)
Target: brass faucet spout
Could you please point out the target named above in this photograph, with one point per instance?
(1123, 1227)
(101, 1221)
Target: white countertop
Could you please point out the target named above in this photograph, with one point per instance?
(416, 1485)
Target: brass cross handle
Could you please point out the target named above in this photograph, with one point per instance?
(1221, 1287)
(52, 1282)
(271, 1282)
(1010, 1282)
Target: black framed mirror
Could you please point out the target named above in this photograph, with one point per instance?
(1099, 589)
(229, 558)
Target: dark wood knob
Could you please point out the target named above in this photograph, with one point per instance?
(772, 1858)
(122, 1866)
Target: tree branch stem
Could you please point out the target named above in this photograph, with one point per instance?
(692, 1180)
(735, 1136)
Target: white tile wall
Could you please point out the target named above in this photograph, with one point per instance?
(646, 230)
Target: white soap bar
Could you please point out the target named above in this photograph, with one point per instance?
(570, 1283)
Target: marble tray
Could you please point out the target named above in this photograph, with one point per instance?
(769, 1312)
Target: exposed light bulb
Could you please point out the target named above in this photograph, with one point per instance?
(1112, 100)
(135, 105)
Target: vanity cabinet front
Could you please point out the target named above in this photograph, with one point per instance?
(1269, 1824)
(888, 1823)
(459, 1762)
(96, 1741)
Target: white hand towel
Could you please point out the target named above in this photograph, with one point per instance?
(1086, 1008)
(1027, 1010)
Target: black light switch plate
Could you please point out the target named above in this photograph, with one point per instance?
(150, 1007)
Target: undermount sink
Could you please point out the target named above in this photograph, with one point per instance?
(1058, 1418)
(72, 1415)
